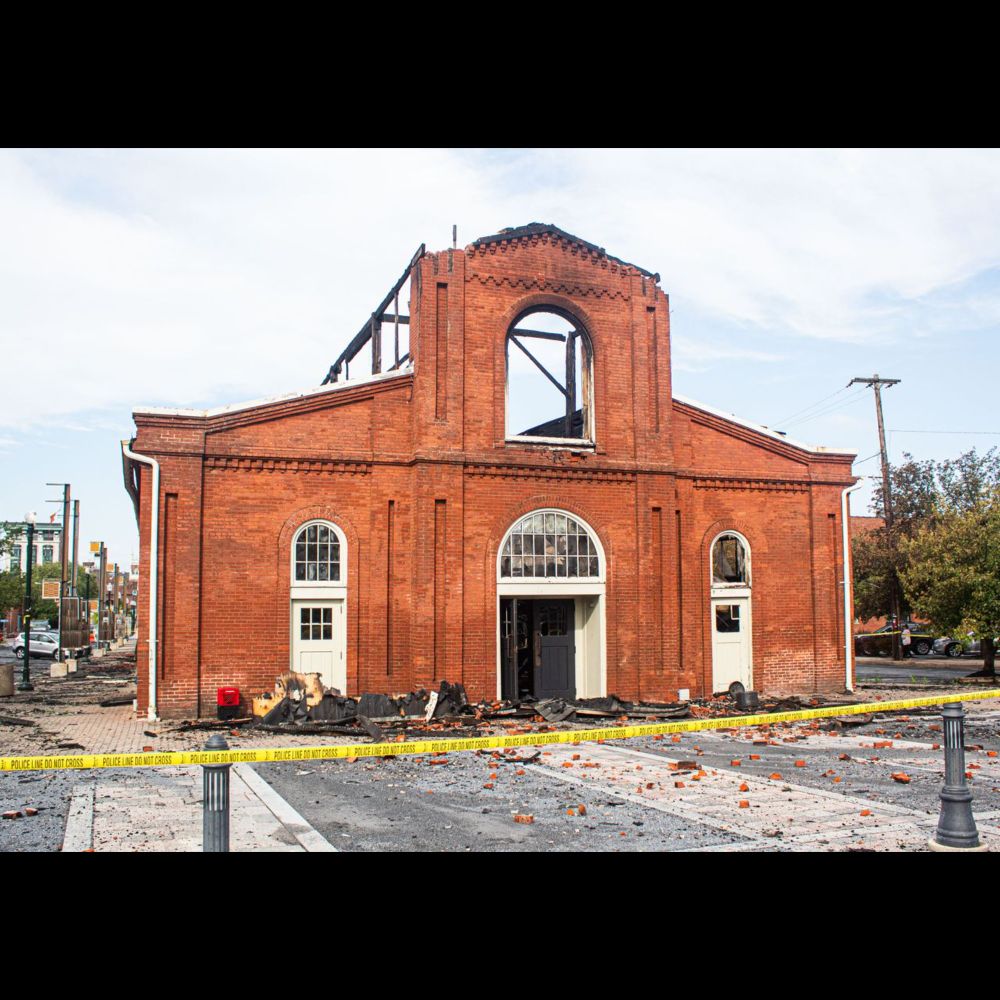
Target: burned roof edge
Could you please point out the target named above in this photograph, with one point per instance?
(542, 228)
(217, 411)
(761, 429)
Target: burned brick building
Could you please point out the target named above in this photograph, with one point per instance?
(494, 484)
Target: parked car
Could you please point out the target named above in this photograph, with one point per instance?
(879, 642)
(42, 644)
(959, 647)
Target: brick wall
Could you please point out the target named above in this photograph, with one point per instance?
(415, 470)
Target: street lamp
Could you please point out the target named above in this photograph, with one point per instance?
(25, 683)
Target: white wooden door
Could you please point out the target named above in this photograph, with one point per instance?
(731, 643)
(318, 645)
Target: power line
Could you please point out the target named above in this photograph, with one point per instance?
(806, 409)
(893, 430)
(832, 408)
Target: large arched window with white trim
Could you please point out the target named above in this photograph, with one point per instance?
(730, 561)
(316, 555)
(550, 545)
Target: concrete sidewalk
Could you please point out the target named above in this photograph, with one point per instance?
(161, 810)
(138, 809)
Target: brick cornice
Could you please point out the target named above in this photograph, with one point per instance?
(702, 482)
(249, 463)
(588, 475)
(564, 242)
(756, 485)
(541, 285)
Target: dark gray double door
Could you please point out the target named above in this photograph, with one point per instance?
(537, 648)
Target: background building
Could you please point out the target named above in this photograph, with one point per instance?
(47, 543)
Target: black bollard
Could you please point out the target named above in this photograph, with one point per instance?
(956, 829)
(215, 801)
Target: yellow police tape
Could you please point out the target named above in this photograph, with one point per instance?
(84, 762)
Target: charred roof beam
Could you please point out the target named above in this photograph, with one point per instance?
(372, 330)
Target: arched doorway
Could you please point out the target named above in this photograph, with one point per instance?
(318, 616)
(551, 609)
(731, 612)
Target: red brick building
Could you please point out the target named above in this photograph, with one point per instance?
(420, 523)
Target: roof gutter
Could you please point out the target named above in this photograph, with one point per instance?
(154, 550)
(848, 586)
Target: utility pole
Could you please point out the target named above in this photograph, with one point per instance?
(876, 383)
(63, 559)
(25, 684)
(76, 546)
(102, 555)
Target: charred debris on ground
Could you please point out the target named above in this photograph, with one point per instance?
(302, 706)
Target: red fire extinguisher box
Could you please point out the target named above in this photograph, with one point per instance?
(228, 702)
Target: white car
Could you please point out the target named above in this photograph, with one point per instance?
(42, 644)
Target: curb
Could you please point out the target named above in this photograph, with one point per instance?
(308, 838)
(79, 835)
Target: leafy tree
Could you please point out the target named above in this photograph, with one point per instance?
(922, 493)
(12, 590)
(873, 563)
(952, 574)
(10, 531)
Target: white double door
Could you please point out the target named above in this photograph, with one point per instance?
(318, 641)
(731, 643)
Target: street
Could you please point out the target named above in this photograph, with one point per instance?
(657, 794)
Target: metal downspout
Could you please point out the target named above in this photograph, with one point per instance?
(154, 550)
(848, 585)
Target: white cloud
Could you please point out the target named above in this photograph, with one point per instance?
(208, 276)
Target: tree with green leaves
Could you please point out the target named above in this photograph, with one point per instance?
(12, 590)
(10, 534)
(952, 574)
(923, 493)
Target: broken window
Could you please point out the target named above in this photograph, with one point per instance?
(727, 618)
(317, 555)
(550, 545)
(549, 377)
(729, 561)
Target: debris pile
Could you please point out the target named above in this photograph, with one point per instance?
(300, 701)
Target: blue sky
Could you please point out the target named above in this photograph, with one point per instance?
(203, 277)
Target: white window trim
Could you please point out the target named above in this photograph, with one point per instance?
(722, 590)
(318, 589)
(560, 442)
(567, 584)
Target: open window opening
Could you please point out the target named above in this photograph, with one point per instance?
(730, 565)
(549, 377)
(386, 334)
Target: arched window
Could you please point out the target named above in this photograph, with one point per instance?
(549, 377)
(318, 603)
(730, 561)
(551, 545)
(316, 555)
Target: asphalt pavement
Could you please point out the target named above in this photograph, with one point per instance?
(915, 669)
